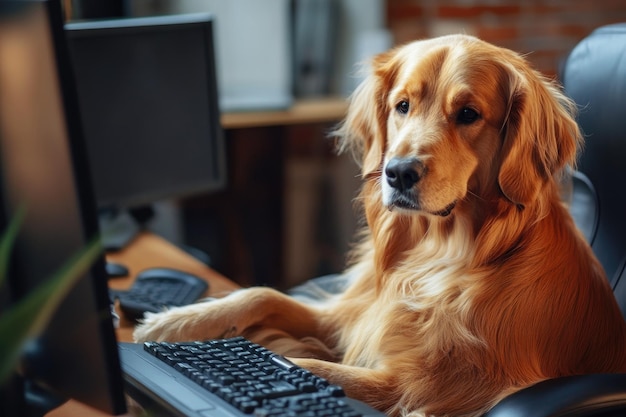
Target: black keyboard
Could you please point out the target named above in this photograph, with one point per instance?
(253, 379)
(157, 288)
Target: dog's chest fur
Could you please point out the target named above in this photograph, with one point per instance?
(423, 297)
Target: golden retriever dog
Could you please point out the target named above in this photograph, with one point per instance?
(472, 280)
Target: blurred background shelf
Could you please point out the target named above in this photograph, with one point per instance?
(303, 111)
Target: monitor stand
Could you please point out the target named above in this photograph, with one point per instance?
(117, 229)
(39, 401)
(21, 397)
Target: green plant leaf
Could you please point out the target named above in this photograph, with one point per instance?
(29, 316)
(7, 242)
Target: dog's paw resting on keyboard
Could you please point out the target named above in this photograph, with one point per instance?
(199, 321)
(181, 324)
(242, 312)
(278, 322)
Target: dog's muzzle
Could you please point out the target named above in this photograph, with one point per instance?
(401, 175)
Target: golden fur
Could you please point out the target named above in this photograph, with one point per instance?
(472, 283)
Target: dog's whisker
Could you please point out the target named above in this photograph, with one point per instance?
(470, 192)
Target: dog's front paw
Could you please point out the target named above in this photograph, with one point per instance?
(156, 327)
(199, 321)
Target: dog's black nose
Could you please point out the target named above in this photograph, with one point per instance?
(403, 173)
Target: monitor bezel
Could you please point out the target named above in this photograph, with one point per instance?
(77, 30)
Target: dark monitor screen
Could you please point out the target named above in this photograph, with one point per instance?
(148, 96)
(43, 169)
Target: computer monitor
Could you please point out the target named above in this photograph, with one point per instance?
(148, 97)
(43, 169)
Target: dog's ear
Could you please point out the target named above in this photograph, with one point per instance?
(541, 136)
(364, 130)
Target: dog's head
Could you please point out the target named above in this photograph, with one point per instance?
(438, 119)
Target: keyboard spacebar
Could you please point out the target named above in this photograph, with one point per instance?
(281, 389)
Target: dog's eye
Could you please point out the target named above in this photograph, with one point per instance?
(402, 107)
(467, 116)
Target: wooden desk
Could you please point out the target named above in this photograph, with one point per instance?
(148, 251)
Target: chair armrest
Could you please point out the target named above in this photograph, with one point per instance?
(581, 396)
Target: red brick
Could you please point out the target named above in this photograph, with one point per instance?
(404, 10)
(541, 8)
(545, 29)
(574, 30)
(404, 32)
(456, 12)
(497, 33)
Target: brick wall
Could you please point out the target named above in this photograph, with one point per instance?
(545, 30)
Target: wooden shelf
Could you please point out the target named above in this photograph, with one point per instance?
(322, 110)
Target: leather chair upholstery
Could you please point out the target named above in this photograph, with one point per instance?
(594, 75)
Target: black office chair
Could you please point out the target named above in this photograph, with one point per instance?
(594, 76)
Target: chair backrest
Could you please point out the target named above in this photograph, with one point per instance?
(594, 75)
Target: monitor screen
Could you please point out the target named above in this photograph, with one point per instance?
(43, 169)
(148, 97)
